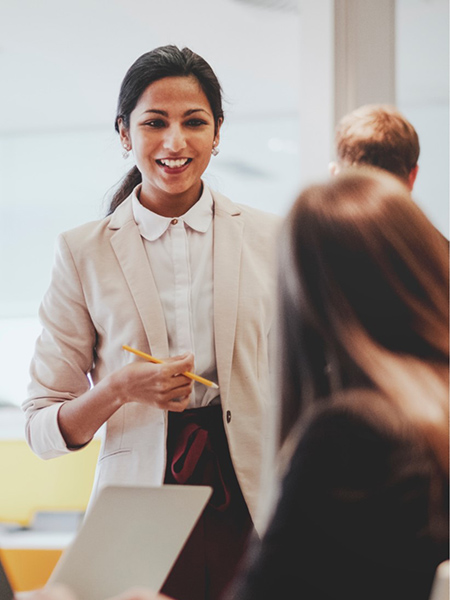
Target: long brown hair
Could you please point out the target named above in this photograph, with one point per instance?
(364, 302)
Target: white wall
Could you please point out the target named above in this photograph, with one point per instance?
(423, 96)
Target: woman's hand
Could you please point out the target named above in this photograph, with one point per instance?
(157, 385)
(161, 385)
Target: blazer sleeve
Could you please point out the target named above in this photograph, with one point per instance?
(63, 356)
(353, 520)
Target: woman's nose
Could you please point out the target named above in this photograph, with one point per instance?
(174, 139)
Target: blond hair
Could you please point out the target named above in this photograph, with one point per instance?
(378, 135)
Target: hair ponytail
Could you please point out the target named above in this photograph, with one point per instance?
(126, 186)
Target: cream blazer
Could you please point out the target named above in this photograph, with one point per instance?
(102, 295)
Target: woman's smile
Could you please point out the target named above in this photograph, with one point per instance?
(173, 165)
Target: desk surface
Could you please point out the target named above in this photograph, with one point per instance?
(29, 557)
(35, 540)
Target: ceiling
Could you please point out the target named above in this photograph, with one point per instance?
(61, 63)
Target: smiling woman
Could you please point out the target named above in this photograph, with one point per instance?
(174, 270)
(170, 105)
(172, 145)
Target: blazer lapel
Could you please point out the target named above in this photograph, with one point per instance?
(228, 235)
(129, 249)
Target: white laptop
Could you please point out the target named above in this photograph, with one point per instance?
(131, 536)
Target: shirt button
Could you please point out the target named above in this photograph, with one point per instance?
(228, 416)
(174, 221)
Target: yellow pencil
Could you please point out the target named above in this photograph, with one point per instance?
(159, 362)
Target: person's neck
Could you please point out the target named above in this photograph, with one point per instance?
(170, 205)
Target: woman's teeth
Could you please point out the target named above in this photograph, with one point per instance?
(173, 164)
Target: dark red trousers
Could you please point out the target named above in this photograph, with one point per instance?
(198, 455)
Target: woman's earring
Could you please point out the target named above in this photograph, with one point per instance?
(214, 151)
(126, 151)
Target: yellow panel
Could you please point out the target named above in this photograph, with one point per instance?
(28, 569)
(30, 484)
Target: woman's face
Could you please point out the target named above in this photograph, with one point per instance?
(171, 133)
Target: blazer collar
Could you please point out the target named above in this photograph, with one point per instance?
(122, 214)
(130, 252)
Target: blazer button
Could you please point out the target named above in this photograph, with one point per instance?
(228, 416)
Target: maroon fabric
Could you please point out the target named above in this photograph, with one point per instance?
(198, 455)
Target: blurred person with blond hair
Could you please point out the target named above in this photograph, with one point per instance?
(378, 135)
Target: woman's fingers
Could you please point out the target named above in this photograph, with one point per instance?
(163, 385)
(179, 364)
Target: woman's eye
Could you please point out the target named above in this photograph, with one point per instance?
(196, 122)
(155, 123)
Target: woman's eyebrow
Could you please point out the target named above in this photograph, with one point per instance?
(194, 110)
(164, 113)
(156, 111)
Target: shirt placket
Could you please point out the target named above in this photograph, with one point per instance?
(180, 253)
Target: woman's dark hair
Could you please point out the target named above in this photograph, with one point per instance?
(364, 302)
(165, 61)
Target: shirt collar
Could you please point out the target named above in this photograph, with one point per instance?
(152, 226)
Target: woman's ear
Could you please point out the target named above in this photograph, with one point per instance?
(217, 134)
(124, 134)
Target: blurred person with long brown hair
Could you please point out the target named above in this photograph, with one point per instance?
(362, 510)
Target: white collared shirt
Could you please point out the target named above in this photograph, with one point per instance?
(180, 253)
